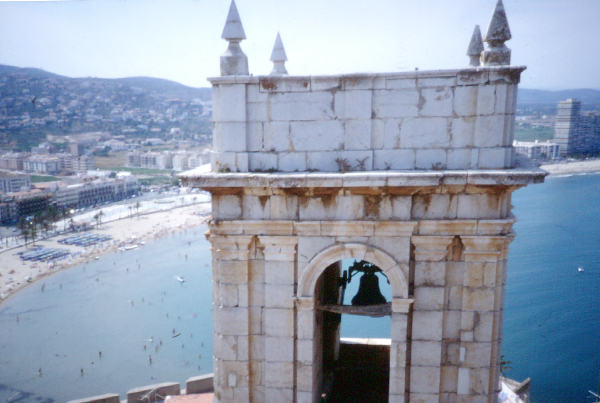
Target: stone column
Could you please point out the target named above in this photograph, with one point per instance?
(428, 319)
(230, 317)
(401, 308)
(481, 317)
(279, 317)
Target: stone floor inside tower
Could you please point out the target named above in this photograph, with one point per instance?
(361, 373)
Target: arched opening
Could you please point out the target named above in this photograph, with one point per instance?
(353, 308)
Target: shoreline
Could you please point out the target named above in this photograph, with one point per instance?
(17, 274)
(572, 167)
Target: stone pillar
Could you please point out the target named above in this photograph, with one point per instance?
(401, 308)
(230, 317)
(481, 317)
(279, 317)
(429, 324)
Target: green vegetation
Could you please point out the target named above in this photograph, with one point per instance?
(141, 171)
(159, 181)
(529, 133)
(43, 178)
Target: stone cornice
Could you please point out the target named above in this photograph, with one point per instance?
(241, 79)
(377, 179)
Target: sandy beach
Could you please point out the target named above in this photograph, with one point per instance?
(126, 233)
(572, 167)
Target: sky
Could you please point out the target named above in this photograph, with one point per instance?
(180, 40)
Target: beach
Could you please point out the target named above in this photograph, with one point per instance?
(126, 234)
(572, 167)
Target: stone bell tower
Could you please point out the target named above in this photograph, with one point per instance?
(411, 172)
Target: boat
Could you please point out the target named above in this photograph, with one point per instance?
(580, 269)
(180, 279)
(130, 247)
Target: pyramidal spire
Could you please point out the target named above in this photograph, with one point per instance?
(497, 33)
(278, 57)
(233, 25)
(475, 47)
(234, 62)
(498, 29)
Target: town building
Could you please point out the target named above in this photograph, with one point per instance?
(576, 134)
(42, 164)
(12, 161)
(538, 150)
(14, 182)
(14, 206)
(408, 173)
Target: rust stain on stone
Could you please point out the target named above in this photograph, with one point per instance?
(263, 200)
(372, 204)
(268, 84)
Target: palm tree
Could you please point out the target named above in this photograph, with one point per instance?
(137, 207)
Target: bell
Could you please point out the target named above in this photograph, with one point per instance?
(368, 291)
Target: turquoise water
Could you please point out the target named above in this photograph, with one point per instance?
(552, 312)
(551, 322)
(115, 305)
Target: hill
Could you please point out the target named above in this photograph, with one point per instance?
(35, 102)
(531, 96)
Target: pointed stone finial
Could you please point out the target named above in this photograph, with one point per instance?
(475, 47)
(278, 57)
(234, 62)
(233, 25)
(497, 33)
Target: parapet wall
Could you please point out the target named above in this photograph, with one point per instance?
(443, 119)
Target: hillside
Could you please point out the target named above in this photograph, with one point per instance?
(34, 103)
(531, 96)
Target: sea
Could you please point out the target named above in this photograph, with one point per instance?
(127, 319)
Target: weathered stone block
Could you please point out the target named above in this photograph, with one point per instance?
(459, 158)
(312, 106)
(489, 131)
(279, 349)
(324, 161)
(424, 133)
(353, 104)
(430, 273)
(465, 100)
(429, 298)
(435, 206)
(436, 102)
(424, 380)
(230, 321)
(255, 207)
(430, 159)
(277, 136)
(395, 104)
(426, 353)
(394, 159)
(229, 103)
(279, 375)
(492, 158)
(229, 136)
(260, 162)
(486, 99)
(279, 296)
(292, 161)
(357, 134)
(325, 135)
(279, 322)
(400, 83)
(427, 325)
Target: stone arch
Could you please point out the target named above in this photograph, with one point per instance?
(395, 272)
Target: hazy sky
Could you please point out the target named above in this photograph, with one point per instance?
(180, 39)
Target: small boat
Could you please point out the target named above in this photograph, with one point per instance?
(130, 247)
(180, 279)
(580, 269)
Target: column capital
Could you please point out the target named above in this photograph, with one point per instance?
(280, 248)
(431, 248)
(230, 247)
